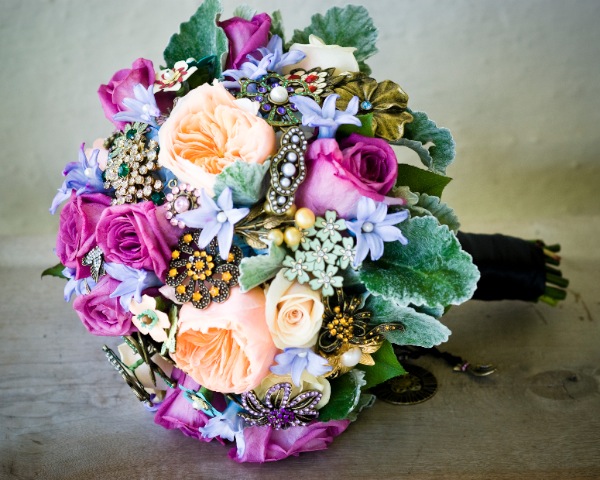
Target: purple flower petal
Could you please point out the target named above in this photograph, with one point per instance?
(225, 238)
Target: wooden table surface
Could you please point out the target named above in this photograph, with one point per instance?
(65, 414)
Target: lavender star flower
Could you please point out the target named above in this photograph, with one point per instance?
(83, 176)
(77, 287)
(327, 118)
(372, 227)
(273, 60)
(227, 425)
(252, 71)
(133, 282)
(278, 59)
(295, 360)
(215, 220)
(142, 108)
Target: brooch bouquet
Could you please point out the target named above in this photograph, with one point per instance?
(249, 232)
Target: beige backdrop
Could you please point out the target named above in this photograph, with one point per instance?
(516, 82)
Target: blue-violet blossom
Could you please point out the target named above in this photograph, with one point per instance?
(327, 118)
(215, 220)
(133, 282)
(142, 108)
(273, 60)
(83, 176)
(295, 360)
(77, 287)
(373, 226)
(227, 425)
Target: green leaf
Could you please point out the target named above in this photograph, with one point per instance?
(247, 181)
(419, 329)
(199, 37)
(345, 395)
(260, 268)
(350, 26)
(421, 181)
(55, 271)
(366, 400)
(386, 366)
(277, 25)
(207, 67)
(432, 205)
(244, 11)
(431, 270)
(366, 129)
(425, 131)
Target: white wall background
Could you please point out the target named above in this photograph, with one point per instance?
(516, 81)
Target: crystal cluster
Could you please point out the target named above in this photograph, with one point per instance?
(131, 167)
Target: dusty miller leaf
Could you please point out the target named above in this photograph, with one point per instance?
(244, 11)
(419, 329)
(246, 181)
(424, 130)
(350, 26)
(260, 268)
(277, 25)
(431, 270)
(432, 205)
(199, 37)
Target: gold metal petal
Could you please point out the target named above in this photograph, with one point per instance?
(366, 359)
(389, 95)
(390, 126)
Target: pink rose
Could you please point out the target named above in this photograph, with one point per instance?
(137, 235)
(177, 412)
(76, 229)
(102, 315)
(338, 175)
(245, 36)
(264, 444)
(227, 347)
(121, 86)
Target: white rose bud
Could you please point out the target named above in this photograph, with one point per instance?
(294, 313)
(325, 56)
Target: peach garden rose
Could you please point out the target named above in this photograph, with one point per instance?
(208, 130)
(226, 347)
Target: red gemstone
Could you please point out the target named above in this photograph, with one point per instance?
(311, 78)
(312, 88)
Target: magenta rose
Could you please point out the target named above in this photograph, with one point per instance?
(264, 444)
(178, 412)
(338, 175)
(102, 315)
(121, 86)
(76, 230)
(137, 235)
(245, 36)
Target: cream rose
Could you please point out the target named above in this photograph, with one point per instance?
(294, 313)
(325, 56)
(307, 382)
(208, 130)
(226, 347)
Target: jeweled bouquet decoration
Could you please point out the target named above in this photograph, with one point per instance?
(249, 232)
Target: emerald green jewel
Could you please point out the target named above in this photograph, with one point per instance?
(158, 198)
(131, 133)
(123, 170)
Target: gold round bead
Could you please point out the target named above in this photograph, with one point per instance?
(292, 236)
(276, 236)
(305, 218)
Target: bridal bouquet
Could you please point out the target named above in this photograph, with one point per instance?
(249, 232)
